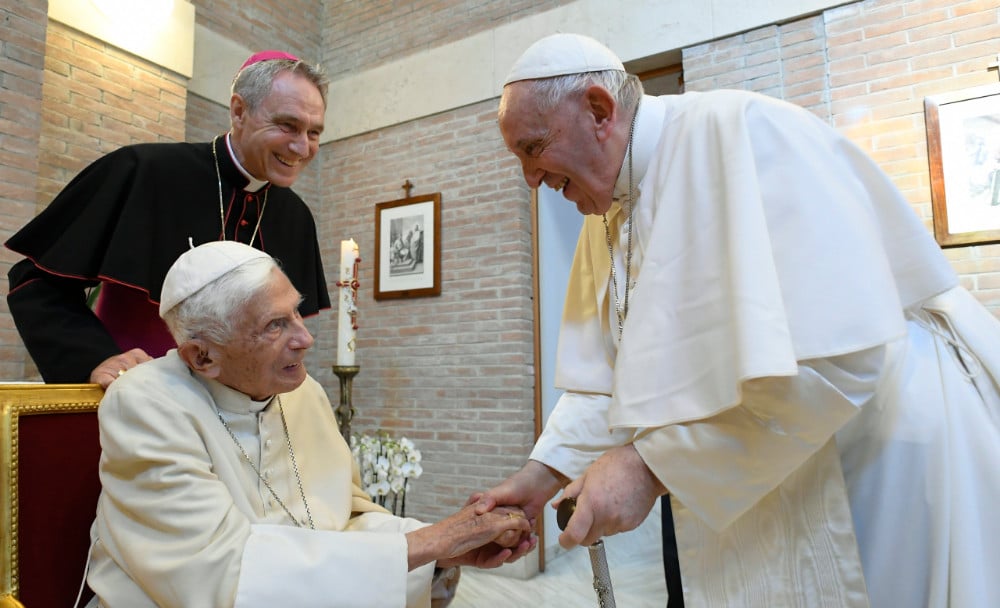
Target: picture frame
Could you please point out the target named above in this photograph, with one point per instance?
(963, 155)
(408, 247)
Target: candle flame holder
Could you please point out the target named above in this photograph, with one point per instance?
(345, 411)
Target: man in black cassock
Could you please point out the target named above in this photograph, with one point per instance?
(124, 219)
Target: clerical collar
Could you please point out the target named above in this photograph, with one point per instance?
(254, 184)
(648, 126)
(231, 400)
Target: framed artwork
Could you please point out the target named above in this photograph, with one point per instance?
(963, 153)
(408, 247)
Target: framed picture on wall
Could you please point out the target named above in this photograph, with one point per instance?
(963, 152)
(408, 247)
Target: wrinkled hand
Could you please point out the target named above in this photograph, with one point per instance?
(530, 488)
(614, 494)
(494, 554)
(467, 538)
(112, 367)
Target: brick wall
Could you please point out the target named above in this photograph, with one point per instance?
(205, 119)
(362, 35)
(96, 99)
(866, 68)
(454, 372)
(289, 25)
(22, 58)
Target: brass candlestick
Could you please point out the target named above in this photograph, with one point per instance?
(345, 412)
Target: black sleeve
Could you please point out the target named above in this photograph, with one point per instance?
(63, 336)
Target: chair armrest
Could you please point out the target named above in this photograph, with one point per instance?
(9, 601)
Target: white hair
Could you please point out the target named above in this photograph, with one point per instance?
(550, 92)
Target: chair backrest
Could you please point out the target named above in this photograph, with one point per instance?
(49, 486)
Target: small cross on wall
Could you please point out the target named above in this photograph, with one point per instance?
(407, 186)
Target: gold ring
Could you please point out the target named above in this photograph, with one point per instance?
(513, 515)
(121, 372)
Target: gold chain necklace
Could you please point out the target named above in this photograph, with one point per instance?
(222, 213)
(295, 466)
(621, 308)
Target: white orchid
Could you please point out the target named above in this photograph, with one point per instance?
(411, 470)
(397, 458)
(386, 465)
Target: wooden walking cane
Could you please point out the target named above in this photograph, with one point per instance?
(598, 558)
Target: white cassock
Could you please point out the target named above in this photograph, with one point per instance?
(799, 367)
(183, 520)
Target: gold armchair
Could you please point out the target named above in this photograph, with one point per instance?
(49, 485)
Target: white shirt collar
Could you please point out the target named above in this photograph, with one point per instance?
(231, 400)
(255, 184)
(648, 128)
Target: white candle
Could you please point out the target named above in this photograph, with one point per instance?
(347, 310)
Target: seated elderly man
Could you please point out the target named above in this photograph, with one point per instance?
(226, 481)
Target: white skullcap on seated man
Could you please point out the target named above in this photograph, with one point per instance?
(200, 266)
(226, 481)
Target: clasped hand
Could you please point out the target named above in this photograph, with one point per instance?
(614, 494)
(468, 538)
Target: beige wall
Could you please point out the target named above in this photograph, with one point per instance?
(455, 372)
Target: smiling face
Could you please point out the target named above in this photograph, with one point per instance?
(265, 355)
(276, 140)
(573, 147)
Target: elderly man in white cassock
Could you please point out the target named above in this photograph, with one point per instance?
(758, 326)
(226, 481)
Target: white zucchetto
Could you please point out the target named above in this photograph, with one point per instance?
(199, 266)
(562, 54)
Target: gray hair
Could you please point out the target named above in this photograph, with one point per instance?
(550, 92)
(253, 82)
(213, 311)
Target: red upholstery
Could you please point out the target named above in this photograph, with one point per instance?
(57, 451)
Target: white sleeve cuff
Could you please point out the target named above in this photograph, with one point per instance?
(576, 433)
(286, 566)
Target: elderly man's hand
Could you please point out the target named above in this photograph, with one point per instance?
(530, 488)
(469, 538)
(614, 494)
(495, 554)
(112, 367)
